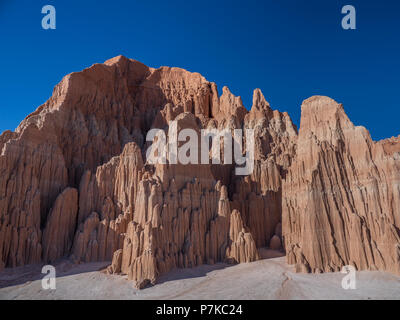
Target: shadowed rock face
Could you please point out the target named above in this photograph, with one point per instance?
(74, 180)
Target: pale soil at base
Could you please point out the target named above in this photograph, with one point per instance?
(264, 279)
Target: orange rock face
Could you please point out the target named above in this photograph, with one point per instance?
(341, 196)
(75, 181)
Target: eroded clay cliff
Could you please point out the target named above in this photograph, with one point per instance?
(341, 196)
(75, 181)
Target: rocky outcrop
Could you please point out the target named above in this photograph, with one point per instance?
(341, 195)
(242, 247)
(106, 205)
(73, 171)
(275, 145)
(60, 228)
(75, 180)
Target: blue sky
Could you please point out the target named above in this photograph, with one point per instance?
(290, 49)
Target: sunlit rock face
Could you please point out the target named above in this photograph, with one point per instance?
(341, 195)
(75, 181)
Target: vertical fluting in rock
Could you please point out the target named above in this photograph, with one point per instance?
(75, 181)
(258, 196)
(88, 120)
(242, 247)
(106, 205)
(181, 219)
(33, 173)
(341, 195)
(60, 227)
(180, 229)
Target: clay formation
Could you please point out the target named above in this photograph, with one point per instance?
(74, 181)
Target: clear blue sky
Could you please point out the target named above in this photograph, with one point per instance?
(289, 49)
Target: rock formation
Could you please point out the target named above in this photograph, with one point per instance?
(75, 181)
(341, 195)
(60, 227)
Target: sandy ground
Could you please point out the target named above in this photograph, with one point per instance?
(265, 279)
